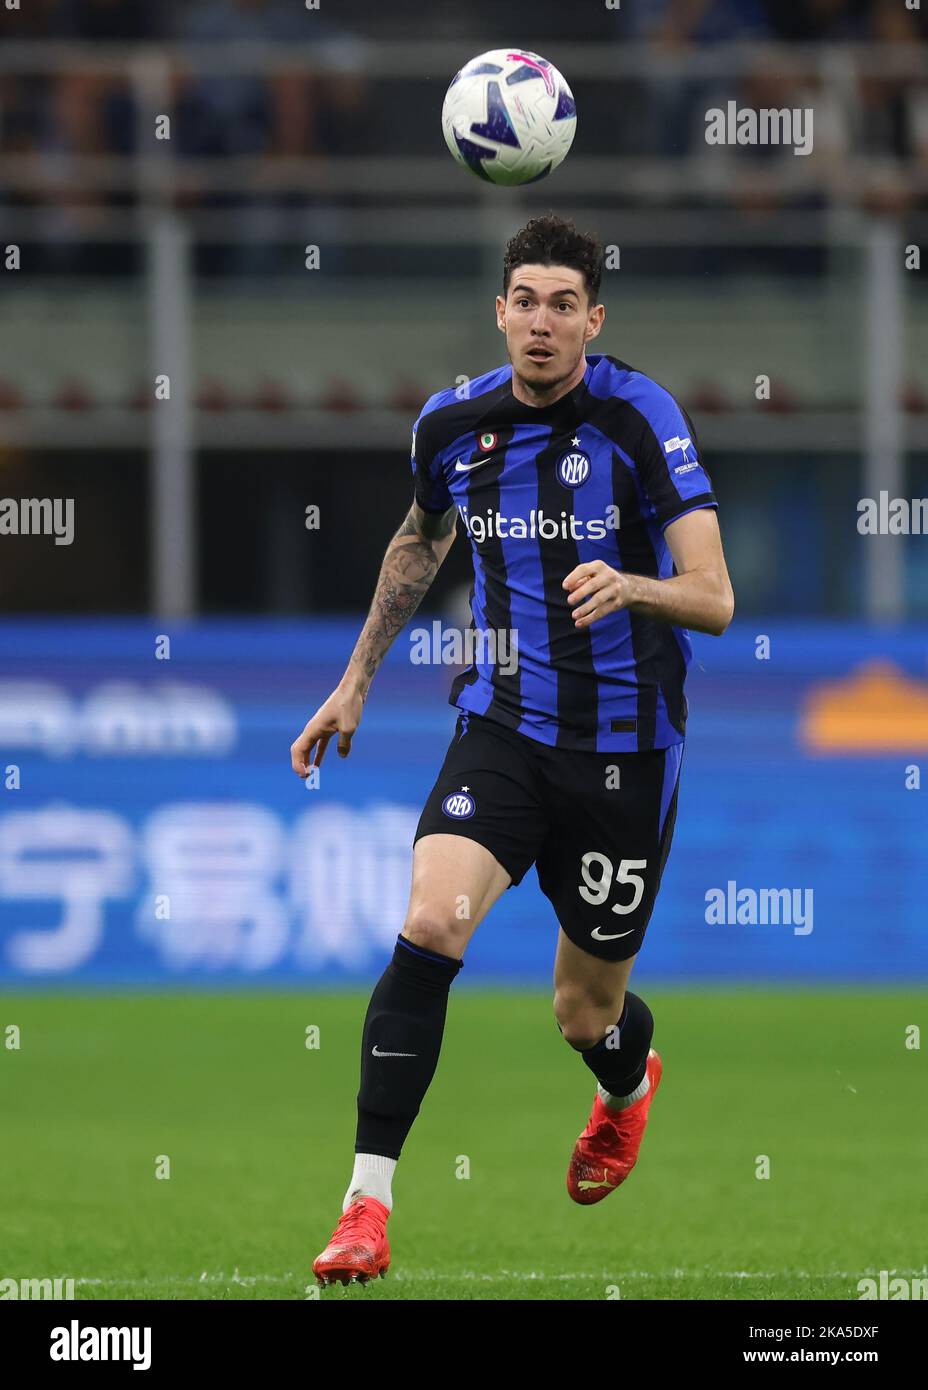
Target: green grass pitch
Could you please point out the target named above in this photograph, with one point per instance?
(259, 1131)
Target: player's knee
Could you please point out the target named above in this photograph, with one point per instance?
(435, 930)
(583, 1021)
(581, 1035)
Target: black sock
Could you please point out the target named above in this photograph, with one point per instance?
(620, 1066)
(406, 1015)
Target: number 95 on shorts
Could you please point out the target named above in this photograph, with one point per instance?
(597, 826)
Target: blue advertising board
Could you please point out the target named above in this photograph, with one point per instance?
(152, 833)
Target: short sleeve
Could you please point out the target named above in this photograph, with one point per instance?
(432, 492)
(668, 462)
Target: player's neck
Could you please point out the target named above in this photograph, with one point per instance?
(529, 396)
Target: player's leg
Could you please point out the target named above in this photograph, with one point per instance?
(402, 1036)
(455, 882)
(607, 1149)
(478, 834)
(589, 993)
(601, 1019)
(602, 868)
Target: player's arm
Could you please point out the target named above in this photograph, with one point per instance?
(698, 596)
(410, 564)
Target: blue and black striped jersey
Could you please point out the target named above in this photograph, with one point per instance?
(597, 475)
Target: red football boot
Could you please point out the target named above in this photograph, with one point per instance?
(607, 1150)
(358, 1249)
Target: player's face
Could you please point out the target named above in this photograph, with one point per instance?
(547, 318)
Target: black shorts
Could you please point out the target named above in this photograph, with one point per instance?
(597, 826)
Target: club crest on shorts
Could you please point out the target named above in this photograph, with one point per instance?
(459, 805)
(573, 469)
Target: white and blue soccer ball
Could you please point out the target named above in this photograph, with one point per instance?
(509, 116)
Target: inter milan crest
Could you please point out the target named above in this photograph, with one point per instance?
(573, 469)
(459, 805)
(487, 442)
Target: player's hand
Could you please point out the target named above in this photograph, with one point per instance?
(604, 590)
(341, 714)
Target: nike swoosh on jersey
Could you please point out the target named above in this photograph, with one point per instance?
(466, 467)
(375, 1053)
(610, 936)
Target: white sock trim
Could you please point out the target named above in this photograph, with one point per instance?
(372, 1176)
(623, 1102)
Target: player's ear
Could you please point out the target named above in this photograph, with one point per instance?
(595, 322)
(500, 313)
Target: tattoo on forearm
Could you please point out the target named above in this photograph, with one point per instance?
(408, 569)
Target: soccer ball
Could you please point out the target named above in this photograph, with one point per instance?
(509, 117)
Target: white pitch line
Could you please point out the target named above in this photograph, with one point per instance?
(505, 1275)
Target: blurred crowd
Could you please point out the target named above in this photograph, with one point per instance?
(52, 122)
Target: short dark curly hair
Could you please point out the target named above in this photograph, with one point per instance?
(553, 240)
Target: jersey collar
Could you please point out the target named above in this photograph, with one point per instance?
(569, 402)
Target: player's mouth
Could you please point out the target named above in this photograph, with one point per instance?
(539, 354)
